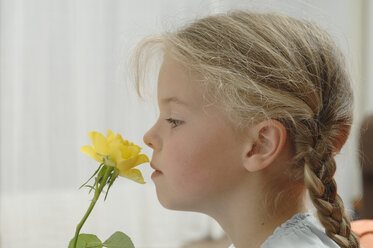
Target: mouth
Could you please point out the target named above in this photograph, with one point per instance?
(155, 168)
(156, 173)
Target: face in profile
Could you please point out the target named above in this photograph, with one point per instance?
(195, 149)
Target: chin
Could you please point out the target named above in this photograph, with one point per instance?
(180, 200)
(171, 204)
(178, 204)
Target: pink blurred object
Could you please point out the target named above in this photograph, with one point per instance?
(364, 229)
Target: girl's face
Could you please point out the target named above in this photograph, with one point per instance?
(194, 147)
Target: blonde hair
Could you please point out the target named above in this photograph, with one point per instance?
(262, 66)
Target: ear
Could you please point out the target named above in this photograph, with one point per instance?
(269, 138)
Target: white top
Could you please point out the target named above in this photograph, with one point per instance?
(301, 231)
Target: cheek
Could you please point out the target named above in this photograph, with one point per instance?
(197, 168)
(184, 163)
(195, 179)
(197, 164)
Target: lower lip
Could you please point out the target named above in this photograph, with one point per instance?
(156, 173)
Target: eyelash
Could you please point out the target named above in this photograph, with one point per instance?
(174, 122)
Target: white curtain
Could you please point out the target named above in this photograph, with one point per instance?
(368, 58)
(62, 74)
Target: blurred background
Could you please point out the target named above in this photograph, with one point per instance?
(63, 72)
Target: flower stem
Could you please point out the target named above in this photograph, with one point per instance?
(93, 202)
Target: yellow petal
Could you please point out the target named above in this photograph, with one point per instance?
(110, 136)
(99, 142)
(90, 151)
(126, 164)
(115, 141)
(133, 174)
(126, 142)
(129, 151)
(115, 154)
(121, 139)
(141, 158)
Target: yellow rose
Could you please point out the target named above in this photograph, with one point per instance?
(118, 153)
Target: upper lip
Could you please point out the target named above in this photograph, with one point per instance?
(152, 165)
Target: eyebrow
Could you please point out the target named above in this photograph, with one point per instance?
(174, 100)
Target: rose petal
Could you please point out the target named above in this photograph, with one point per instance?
(90, 151)
(110, 136)
(133, 174)
(99, 142)
(127, 164)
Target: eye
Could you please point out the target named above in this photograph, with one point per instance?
(174, 122)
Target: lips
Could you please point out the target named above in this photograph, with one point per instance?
(156, 173)
(151, 165)
(155, 168)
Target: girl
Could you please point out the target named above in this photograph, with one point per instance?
(253, 109)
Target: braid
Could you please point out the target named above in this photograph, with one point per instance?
(319, 169)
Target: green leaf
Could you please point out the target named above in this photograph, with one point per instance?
(86, 241)
(112, 178)
(89, 186)
(118, 240)
(101, 174)
(92, 175)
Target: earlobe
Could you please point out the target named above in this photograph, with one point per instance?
(269, 138)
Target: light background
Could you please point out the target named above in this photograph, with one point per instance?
(62, 74)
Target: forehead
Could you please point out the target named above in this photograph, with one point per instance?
(178, 85)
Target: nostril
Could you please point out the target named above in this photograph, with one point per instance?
(147, 140)
(151, 137)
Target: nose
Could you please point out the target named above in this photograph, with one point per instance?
(148, 138)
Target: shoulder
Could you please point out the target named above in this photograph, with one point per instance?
(301, 231)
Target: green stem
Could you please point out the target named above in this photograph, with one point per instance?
(93, 202)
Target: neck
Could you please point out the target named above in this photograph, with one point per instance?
(247, 222)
